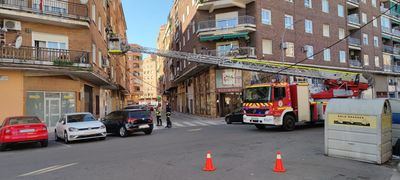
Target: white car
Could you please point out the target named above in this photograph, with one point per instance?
(79, 126)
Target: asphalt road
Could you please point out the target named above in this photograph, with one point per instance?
(239, 152)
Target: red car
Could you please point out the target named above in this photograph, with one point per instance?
(23, 129)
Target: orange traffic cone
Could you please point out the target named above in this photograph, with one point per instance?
(279, 163)
(209, 163)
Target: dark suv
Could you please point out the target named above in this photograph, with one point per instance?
(128, 121)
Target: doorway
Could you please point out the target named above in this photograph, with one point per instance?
(88, 99)
(52, 111)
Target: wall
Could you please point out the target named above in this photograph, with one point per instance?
(11, 94)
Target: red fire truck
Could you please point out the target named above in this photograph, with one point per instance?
(285, 105)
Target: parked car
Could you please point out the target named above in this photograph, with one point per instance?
(135, 107)
(235, 116)
(79, 126)
(23, 129)
(127, 122)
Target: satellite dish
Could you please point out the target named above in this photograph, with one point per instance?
(84, 1)
(18, 42)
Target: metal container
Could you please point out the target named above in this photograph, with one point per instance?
(395, 105)
(359, 129)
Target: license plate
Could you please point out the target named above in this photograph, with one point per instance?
(144, 126)
(26, 130)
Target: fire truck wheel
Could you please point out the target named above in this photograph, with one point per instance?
(289, 123)
(260, 126)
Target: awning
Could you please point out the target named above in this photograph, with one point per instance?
(225, 36)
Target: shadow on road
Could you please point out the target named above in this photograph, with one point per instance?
(298, 128)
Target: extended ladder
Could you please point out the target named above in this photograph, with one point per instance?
(251, 64)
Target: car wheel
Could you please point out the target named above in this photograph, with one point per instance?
(66, 141)
(148, 131)
(56, 136)
(3, 147)
(122, 132)
(260, 126)
(289, 123)
(44, 143)
(228, 120)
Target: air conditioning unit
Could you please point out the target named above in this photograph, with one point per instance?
(12, 25)
(283, 46)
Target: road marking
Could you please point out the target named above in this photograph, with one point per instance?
(65, 145)
(201, 123)
(178, 124)
(193, 130)
(189, 124)
(209, 122)
(46, 170)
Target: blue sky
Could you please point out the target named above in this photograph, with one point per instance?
(144, 18)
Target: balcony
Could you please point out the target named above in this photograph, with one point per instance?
(388, 49)
(391, 68)
(48, 11)
(353, 4)
(211, 5)
(390, 13)
(353, 21)
(354, 43)
(242, 52)
(241, 25)
(355, 63)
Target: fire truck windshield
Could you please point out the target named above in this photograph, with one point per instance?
(257, 94)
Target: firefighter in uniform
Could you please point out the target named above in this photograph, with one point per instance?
(158, 115)
(168, 114)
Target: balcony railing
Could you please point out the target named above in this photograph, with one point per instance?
(48, 7)
(354, 1)
(354, 41)
(388, 49)
(226, 23)
(386, 29)
(396, 50)
(235, 52)
(391, 68)
(355, 63)
(354, 19)
(44, 56)
(396, 32)
(390, 12)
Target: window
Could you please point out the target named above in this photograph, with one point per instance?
(341, 33)
(342, 56)
(308, 3)
(325, 6)
(288, 22)
(289, 51)
(308, 26)
(183, 18)
(373, 3)
(386, 24)
(377, 61)
(289, 1)
(365, 39)
(279, 93)
(364, 18)
(267, 46)
(309, 51)
(325, 30)
(187, 10)
(340, 10)
(266, 16)
(364, 1)
(188, 34)
(376, 41)
(194, 27)
(94, 53)
(94, 13)
(100, 57)
(375, 21)
(99, 25)
(327, 55)
(184, 40)
(366, 60)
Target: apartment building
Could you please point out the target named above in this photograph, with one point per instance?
(135, 63)
(286, 31)
(54, 58)
(149, 84)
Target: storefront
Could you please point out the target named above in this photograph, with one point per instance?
(229, 85)
(50, 106)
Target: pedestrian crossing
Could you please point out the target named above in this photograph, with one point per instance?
(195, 123)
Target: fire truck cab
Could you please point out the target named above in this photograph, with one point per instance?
(280, 104)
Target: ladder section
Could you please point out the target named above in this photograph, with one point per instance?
(252, 64)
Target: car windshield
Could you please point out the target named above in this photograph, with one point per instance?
(257, 94)
(139, 114)
(23, 120)
(80, 118)
(134, 107)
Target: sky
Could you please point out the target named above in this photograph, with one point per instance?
(144, 18)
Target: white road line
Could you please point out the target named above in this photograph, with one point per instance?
(201, 123)
(193, 130)
(189, 124)
(48, 169)
(210, 122)
(177, 124)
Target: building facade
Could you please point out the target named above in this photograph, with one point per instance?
(54, 58)
(135, 63)
(149, 81)
(327, 34)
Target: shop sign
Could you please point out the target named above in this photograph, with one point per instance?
(229, 80)
(352, 120)
(34, 97)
